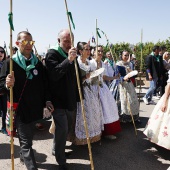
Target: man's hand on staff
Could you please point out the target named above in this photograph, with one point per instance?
(72, 53)
(10, 80)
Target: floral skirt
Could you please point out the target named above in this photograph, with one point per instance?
(126, 99)
(94, 118)
(158, 127)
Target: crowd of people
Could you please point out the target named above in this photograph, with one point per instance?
(109, 98)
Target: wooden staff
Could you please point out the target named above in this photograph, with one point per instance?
(11, 96)
(129, 108)
(36, 53)
(98, 87)
(141, 66)
(96, 40)
(80, 94)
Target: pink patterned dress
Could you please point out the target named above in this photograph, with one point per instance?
(158, 127)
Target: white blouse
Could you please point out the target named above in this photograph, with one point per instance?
(83, 66)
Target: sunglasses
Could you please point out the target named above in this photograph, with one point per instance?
(2, 51)
(25, 42)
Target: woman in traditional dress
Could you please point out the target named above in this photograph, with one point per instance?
(124, 92)
(109, 107)
(158, 127)
(92, 107)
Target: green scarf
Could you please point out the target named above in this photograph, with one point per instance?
(156, 57)
(110, 62)
(59, 49)
(20, 60)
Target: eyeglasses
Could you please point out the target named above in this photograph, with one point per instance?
(126, 55)
(2, 51)
(25, 42)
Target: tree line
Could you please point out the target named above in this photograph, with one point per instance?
(136, 50)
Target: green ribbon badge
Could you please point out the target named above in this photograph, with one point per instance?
(10, 15)
(71, 18)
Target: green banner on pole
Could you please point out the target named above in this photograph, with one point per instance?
(98, 32)
(10, 16)
(71, 18)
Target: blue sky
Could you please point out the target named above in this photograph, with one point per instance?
(121, 20)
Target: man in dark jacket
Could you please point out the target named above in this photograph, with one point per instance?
(30, 94)
(154, 72)
(64, 91)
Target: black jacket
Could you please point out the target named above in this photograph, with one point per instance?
(156, 68)
(62, 81)
(35, 92)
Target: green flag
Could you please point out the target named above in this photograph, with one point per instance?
(102, 32)
(107, 43)
(98, 33)
(71, 18)
(10, 15)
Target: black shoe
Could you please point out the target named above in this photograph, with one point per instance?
(63, 167)
(67, 154)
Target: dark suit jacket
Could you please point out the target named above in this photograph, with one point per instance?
(62, 81)
(156, 69)
(34, 92)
